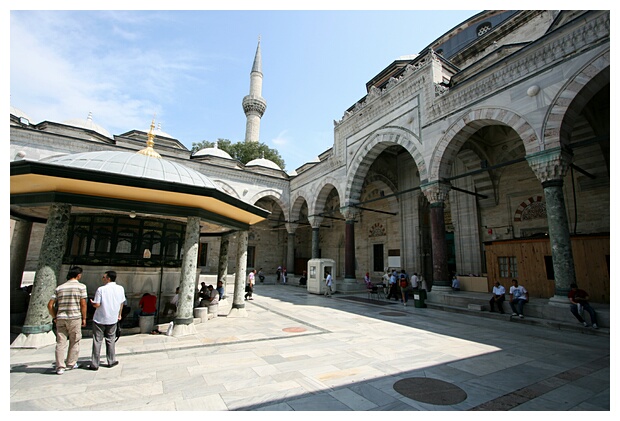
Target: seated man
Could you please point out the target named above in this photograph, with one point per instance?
(147, 307)
(304, 279)
(212, 299)
(456, 284)
(579, 298)
(499, 295)
(518, 298)
(220, 290)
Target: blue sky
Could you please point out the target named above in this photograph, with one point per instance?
(190, 69)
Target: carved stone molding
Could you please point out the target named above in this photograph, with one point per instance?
(551, 165)
(315, 221)
(436, 192)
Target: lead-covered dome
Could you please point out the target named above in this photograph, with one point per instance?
(263, 162)
(88, 124)
(214, 151)
(135, 165)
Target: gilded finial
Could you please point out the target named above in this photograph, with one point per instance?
(150, 142)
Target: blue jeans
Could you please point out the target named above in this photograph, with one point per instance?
(519, 306)
(587, 307)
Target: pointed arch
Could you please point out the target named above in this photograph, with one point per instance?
(368, 152)
(570, 101)
(328, 184)
(464, 127)
(273, 194)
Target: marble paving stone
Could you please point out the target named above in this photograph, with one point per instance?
(353, 400)
(320, 402)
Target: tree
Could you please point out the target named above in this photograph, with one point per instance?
(243, 151)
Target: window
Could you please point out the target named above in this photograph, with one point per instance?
(549, 267)
(483, 29)
(508, 267)
(251, 256)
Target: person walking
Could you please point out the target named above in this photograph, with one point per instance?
(328, 284)
(249, 288)
(68, 310)
(108, 304)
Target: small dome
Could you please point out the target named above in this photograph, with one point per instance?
(263, 162)
(135, 165)
(214, 151)
(89, 125)
(20, 114)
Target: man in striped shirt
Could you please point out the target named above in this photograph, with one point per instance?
(68, 309)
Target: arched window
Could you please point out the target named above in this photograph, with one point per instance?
(124, 242)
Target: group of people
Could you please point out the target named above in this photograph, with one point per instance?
(399, 285)
(67, 306)
(578, 299)
(207, 295)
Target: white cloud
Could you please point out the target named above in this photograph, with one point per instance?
(281, 139)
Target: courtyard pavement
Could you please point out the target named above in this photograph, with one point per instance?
(303, 352)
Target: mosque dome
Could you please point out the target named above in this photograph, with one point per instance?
(263, 162)
(89, 125)
(20, 114)
(135, 165)
(214, 151)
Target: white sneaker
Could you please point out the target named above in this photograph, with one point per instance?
(585, 324)
(60, 371)
(594, 326)
(520, 316)
(514, 314)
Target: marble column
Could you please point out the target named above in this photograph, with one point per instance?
(238, 304)
(37, 330)
(184, 320)
(349, 284)
(550, 168)
(19, 250)
(222, 266)
(436, 194)
(290, 253)
(315, 223)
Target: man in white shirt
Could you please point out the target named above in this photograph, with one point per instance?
(499, 295)
(518, 298)
(108, 304)
(328, 284)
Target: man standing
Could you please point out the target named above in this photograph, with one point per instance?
(578, 303)
(518, 298)
(108, 304)
(498, 298)
(328, 284)
(68, 310)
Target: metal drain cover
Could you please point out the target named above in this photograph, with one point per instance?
(433, 391)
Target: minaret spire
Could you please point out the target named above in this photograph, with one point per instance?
(254, 104)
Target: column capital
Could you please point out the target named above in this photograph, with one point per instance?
(315, 221)
(291, 227)
(350, 213)
(550, 165)
(436, 191)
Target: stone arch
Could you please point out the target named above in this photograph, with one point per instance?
(276, 196)
(227, 188)
(570, 101)
(329, 183)
(296, 204)
(368, 152)
(533, 207)
(464, 127)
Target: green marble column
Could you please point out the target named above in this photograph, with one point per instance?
(315, 223)
(184, 320)
(550, 167)
(290, 253)
(238, 305)
(19, 250)
(37, 329)
(222, 266)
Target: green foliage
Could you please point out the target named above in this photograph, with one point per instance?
(243, 151)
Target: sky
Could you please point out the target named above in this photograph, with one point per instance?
(190, 69)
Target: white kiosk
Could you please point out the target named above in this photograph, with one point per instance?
(316, 275)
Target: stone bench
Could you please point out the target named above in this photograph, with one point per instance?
(206, 313)
(146, 323)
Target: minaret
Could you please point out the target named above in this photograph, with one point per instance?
(254, 104)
